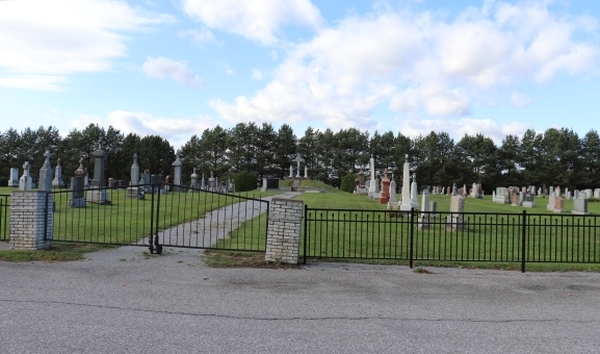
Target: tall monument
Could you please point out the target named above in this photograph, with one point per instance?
(406, 198)
(98, 192)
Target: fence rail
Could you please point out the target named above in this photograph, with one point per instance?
(456, 237)
(4, 217)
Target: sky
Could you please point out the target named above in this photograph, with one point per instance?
(177, 67)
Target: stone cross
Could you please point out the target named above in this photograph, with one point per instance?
(47, 154)
(298, 160)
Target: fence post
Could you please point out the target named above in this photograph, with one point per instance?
(305, 240)
(411, 233)
(523, 240)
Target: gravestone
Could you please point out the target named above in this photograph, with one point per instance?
(291, 171)
(298, 160)
(305, 171)
(406, 196)
(413, 193)
(177, 181)
(146, 180)
(57, 182)
(514, 197)
(501, 195)
(551, 201)
(45, 179)
(98, 194)
(86, 178)
(474, 192)
(529, 201)
(134, 190)
(455, 220)
(384, 198)
(25, 180)
(393, 191)
(580, 207)
(158, 184)
(270, 184)
(13, 179)
(597, 193)
(194, 181)
(588, 193)
(454, 190)
(423, 222)
(521, 197)
(361, 179)
(203, 183)
(77, 199)
(373, 183)
(212, 182)
(361, 187)
(559, 205)
(433, 209)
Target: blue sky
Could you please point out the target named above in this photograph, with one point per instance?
(174, 68)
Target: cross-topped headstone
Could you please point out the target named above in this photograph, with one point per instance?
(298, 160)
(45, 176)
(47, 154)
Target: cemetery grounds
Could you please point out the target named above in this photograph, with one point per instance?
(347, 227)
(353, 228)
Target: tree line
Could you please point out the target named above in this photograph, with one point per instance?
(554, 157)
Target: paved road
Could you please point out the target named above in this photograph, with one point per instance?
(125, 301)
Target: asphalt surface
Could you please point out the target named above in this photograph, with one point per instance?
(127, 301)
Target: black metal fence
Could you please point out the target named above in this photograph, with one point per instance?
(4, 217)
(451, 237)
(159, 215)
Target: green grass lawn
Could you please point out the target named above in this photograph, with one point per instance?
(126, 220)
(492, 238)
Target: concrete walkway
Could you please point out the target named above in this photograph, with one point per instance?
(217, 224)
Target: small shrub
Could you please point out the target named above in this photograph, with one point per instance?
(348, 183)
(593, 200)
(244, 181)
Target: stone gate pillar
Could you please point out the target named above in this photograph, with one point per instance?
(31, 218)
(283, 230)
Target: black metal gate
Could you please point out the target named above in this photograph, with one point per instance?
(4, 217)
(161, 215)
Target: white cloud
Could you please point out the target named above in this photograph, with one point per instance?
(35, 82)
(177, 71)
(43, 42)
(176, 130)
(257, 74)
(519, 99)
(199, 37)
(257, 20)
(419, 63)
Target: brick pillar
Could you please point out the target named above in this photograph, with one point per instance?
(283, 230)
(29, 220)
